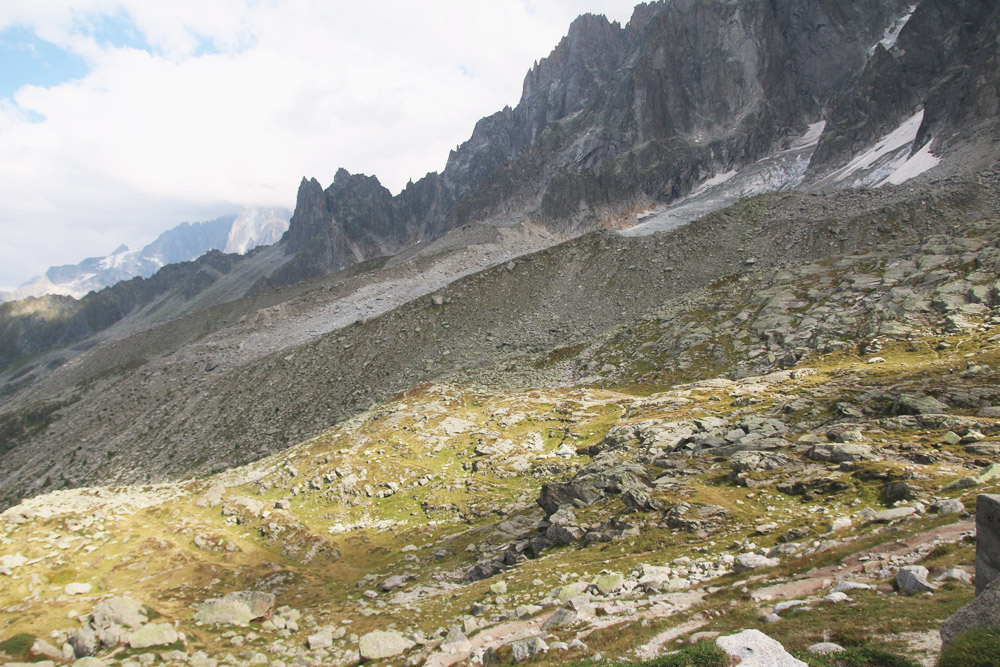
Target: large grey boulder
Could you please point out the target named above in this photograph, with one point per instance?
(752, 648)
(752, 561)
(84, 641)
(119, 610)
(238, 608)
(152, 634)
(379, 644)
(918, 404)
(982, 612)
(755, 461)
(912, 580)
(987, 540)
(835, 452)
(528, 649)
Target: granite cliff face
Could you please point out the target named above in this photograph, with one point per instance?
(614, 118)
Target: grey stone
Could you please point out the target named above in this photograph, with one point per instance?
(987, 540)
(43, 648)
(89, 662)
(606, 584)
(560, 617)
(752, 648)
(960, 484)
(152, 634)
(955, 574)
(238, 608)
(84, 641)
(918, 404)
(380, 644)
(982, 612)
(841, 452)
(752, 561)
(894, 514)
(528, 649)
(322, 639)
(755, 461)
(118, 610)
(912, 580)
(825, 648)
(901, 490)
(948, 507)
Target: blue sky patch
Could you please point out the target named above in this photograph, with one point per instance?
(26, 59)
(116, 30)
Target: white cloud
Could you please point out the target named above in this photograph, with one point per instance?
(285, 89)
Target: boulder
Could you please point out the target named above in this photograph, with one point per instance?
(570, 591)
(238, 608)
(379, 644)
(894, 514)
(982, 612)
(575, 494)
(987, 540)
(752, 561)
(84, 642)
(89, 662)
(153, 634)
(77, 589)
(322, 639)
(948, 507)
(119, 610)
(752, 648)
(842, 452)
(825, 648)
(560, 617)
(755, 461)
(912, 580)
(606, 584)
(918, 404)
(528, 649)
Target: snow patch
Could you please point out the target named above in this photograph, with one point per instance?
(811, 137)
(718, 179)
(784, 170)
(892, 32)
(921, 161)
(901, 137)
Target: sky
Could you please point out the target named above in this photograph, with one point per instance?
(120, 119)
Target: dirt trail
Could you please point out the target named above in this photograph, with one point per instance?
(812, 581)
(505, 633)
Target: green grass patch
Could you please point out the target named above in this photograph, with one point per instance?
(976, 648)
(702, 654)
(18, 646)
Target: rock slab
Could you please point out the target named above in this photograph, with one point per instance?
(379, 644)
(752, 648)
(982, 612)
(987, 540)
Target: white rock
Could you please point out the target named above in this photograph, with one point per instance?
(77, 589)
(752, 648)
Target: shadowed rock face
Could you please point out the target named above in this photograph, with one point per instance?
(613, 116)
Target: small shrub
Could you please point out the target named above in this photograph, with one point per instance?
(702, 654)
(976, 648)
(862, 656)
(18, 645)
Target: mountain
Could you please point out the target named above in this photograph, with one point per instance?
(702, 336)
(254, 226)
(667, 118)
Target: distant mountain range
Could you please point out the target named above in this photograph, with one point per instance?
(254, 226)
